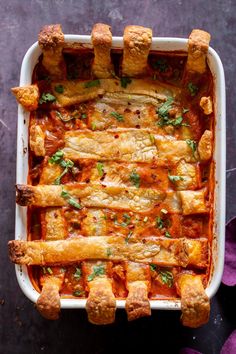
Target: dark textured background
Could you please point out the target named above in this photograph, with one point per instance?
(22, 330)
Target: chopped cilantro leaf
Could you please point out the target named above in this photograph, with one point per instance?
(78, 293)
(193, 89)
(175, 178)
(59, 88)
(118, 116)
(135, 179)
(166, 277)
(78, 274)
(167, 234)
(192, 144)
(47, 97)
(153, 267)
(93, 83)
(70, 200)
(100, 168)
(159, 222)
(128, 237)
(124, 81)
(109, 253)
(97, 270)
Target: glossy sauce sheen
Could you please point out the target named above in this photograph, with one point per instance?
(167, 68)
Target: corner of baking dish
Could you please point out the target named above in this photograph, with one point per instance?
(163, 44)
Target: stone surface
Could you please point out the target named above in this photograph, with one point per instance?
(22, 330)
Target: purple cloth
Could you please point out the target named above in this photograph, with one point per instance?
(229, 275)
(189, 351)
(230, 345)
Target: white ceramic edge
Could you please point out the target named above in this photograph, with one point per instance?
(164, 44)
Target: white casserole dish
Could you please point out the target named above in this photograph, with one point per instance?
(160, 44)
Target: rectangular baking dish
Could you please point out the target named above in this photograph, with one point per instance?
(159, 44)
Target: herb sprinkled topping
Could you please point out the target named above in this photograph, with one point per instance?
(166, 277)
(175, 178)
(93, 83)
(59, 88)
(100, 168)
(192, 144)
(118, 116)
(97, 270)
(135, 179)
(57, 158)
(70, 199)
(125, 81)
(77, 273)
(47, 97)
(193, 89)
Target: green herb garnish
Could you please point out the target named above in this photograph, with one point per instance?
(97, 270)
(78, 293)
(192, 144)
(159, 222)
(163, 114)
(47, 97)
(109, 253)
(125, 81)
(152, 139)
(83, 116)
(57, 158)
(193, 89)
(70, 199)
(167, 234)
(93, 83)
(78, 274)
(100, 168)
(135, 179)
(185, 110)
(166, 277)
(175, 178)
(163, 110)
(126, 221)
(118, 116)
(59, 88)
(47, 270)
(128, 237)
(153, 267)
(93, 126)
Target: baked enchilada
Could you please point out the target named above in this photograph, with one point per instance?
(121, 177)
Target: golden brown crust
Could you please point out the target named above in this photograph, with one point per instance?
(195, 303)
(48, 303)
(205, 145)
(206, 105)
(51, 41)
(161, 251)
(137, 43)
(193, 202)
(37, 137)
(27, 96)
(137, 303)
(53, 224)
(51, 36)
(138, 284)
(24, 195)
(76, 91)
(102, 40)
(101, 303)
(94, 195)
(198, 45)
